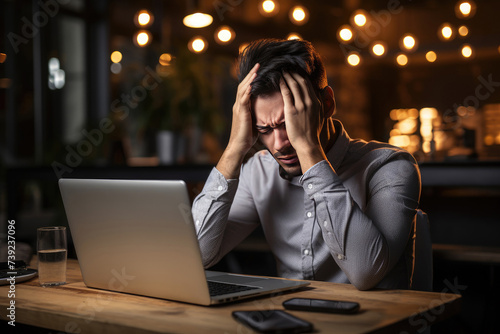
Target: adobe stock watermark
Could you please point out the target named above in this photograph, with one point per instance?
(423, 318)
(31, 28)
(89, 308)
(379, 20)
(482, 92)
(121, 107)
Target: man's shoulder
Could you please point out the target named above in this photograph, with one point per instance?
(377, 151)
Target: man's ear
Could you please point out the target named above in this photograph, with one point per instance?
(328, 101)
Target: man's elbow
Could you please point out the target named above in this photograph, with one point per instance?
(364, 283)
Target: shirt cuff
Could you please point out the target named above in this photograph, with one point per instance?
(218, 188)
(319, 177)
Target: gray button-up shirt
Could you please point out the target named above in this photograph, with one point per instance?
(347, 220)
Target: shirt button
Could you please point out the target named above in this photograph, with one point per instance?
(220, 188)
(325, 223)
(310, 186)
(339, 256)
(309, 214)
(197, 223)
(306, 251)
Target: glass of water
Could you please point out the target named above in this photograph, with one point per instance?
(52, 254)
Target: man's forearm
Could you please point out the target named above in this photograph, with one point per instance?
(230, 162)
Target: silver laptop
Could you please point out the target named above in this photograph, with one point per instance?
(138, 237)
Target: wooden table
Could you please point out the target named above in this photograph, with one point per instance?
(74, 308)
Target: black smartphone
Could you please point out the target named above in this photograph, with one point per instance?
(321, 305)
(273, 321)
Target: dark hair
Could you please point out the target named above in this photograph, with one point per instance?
(276, 56)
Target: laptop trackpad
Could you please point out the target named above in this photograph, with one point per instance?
(235, 279)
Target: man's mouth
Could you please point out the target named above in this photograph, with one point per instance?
(289, 159)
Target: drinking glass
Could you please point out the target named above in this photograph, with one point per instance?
(52, 254)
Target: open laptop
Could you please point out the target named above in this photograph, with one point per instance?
(138, 237)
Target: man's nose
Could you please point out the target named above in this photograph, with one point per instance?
(280, 139)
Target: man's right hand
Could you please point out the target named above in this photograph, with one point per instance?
(243, 134)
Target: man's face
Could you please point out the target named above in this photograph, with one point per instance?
(270, 123)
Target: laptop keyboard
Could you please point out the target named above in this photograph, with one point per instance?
(218, 288)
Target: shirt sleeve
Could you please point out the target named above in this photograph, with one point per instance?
(366, 244)
(217, 233)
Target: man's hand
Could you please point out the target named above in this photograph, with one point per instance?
(243, 134)
(303, 119)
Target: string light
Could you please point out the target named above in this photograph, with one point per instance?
(378, 49)
(446, 32)
(143, 18)
(142, 38)
(345, 34)
(224, 35)
(402, 59)
(465, 9)
(463, 31)
(293, 35)
(165, 59)
(408, 42)
(353, 59)
(431, 56)
(359, 18)
(116, 56)
(268, 8)
(467, 51)
(197, 44)
(299, 15)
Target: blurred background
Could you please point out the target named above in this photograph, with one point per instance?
(144, 89)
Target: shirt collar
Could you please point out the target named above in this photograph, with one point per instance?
(339, 149)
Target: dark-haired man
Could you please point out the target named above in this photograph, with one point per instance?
(331, 208)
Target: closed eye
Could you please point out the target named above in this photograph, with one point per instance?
(267, 129)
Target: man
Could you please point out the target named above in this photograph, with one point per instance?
(331, 208)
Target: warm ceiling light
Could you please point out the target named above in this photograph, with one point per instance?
(3, 57)
(165, 59)
(142, 38)
(378, 49)
(431, 56)
(268, 8)
(116, 56)
(408, 43)
(299, 15)
(293, 35)
(467, 51)
(224, 35)
(143, 18)
(446, 32)
(197, 20)
(197, 44)
(353, 59)
(345, 33)
(359, 18)
(463, 31)
(465, 9)
(402, 59)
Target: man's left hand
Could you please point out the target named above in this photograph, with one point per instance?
(303, 118)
